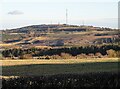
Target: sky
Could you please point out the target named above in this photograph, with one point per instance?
(19, 13)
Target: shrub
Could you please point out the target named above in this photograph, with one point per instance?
(65, 55)
(91, 55)
(26, 56)
(118, 54)
(55, 57)
(98, 54)
(81, 56)
(111, 53)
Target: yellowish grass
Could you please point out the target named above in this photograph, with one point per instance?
(8, 44)
(59, 61)
(42, 47)
(4, 45)
(39, 38)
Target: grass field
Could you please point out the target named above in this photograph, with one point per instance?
(51, 67)
(54, 61)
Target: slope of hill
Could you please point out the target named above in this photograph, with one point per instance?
(58, 35)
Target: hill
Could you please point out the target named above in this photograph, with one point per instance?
(57, 35)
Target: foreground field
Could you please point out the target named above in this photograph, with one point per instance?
(51, 67)
(62, 81)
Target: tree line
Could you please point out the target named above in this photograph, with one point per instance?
(112, 50)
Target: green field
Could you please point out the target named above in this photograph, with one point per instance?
(63, 68)
(6, 37)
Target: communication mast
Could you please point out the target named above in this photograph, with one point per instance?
(66, 16)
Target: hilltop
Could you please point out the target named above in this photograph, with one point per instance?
(56, 27)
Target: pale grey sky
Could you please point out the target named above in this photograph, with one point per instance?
(18, 13)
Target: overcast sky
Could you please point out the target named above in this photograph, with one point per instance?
(19, 13)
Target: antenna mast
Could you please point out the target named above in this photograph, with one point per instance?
(66, 16)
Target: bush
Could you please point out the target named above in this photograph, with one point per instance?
(55, 57)
(111, 53)
(65, 56)
(98, 54)
(81, 56)
(118, 54)
(26, 56)
(91, 55)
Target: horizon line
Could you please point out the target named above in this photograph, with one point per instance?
(56, 24)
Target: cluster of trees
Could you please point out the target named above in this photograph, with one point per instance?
(76, 52)
(110, 53)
